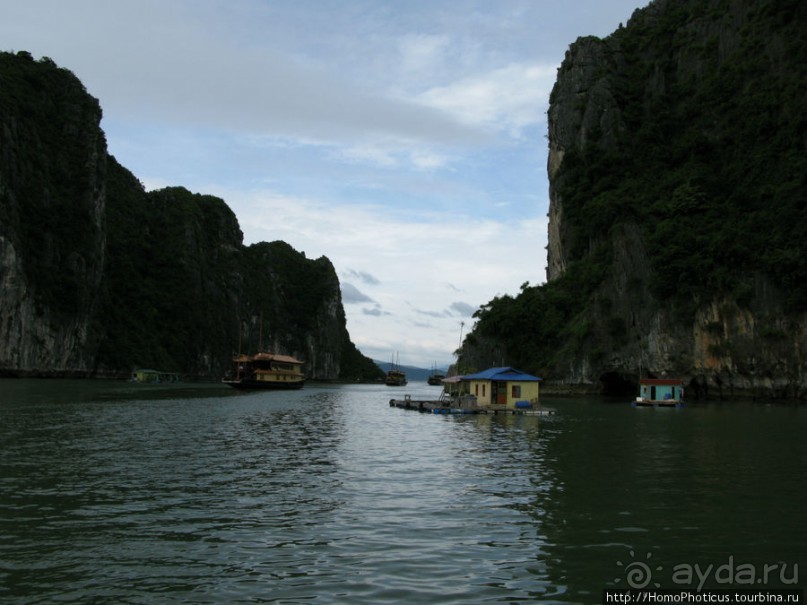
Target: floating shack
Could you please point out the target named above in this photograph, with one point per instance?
(495, 390)
(505, 388)
(147, 376)
(664, 392)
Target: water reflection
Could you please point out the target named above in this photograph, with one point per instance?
(682, 486)
(506, 486)
(329, 494)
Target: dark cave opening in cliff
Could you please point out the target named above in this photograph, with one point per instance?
(614, 384)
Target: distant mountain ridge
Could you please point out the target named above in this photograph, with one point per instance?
(98, 276)
(413, 373)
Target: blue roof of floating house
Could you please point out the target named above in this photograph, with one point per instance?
(502, 374)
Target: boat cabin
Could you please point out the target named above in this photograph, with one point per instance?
(504, 387)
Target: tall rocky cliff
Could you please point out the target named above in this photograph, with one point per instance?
(98, 276)
(677, 218)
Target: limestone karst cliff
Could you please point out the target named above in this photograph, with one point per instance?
(98, 276)
(52, 217)
(677, 223)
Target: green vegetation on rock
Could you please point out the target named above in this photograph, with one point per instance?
(103, 276)
(678, 156)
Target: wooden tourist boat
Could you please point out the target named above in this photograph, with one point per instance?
(265, 371)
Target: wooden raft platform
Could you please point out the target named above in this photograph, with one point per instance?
(657, 403)
(431, 406)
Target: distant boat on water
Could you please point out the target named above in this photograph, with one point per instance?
(395, 376)
(436, 377)
(265, 371)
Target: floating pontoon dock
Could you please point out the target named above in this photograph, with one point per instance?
(670, 403)
(432, 406)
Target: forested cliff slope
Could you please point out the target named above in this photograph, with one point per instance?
(98, 276)
(678, 210)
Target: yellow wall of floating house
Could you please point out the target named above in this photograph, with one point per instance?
(526, 391)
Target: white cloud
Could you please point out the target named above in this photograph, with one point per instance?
(415, 265)
(393, 153)
(420, 52)
(506, 99)
(161, 62)
(429, 160)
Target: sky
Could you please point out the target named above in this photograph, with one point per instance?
(403, 139)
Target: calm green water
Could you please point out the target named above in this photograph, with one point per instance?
(120, 493)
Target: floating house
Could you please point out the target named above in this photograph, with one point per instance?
(504, 388)
(147, 376)
(494, 391)
(660, 391)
